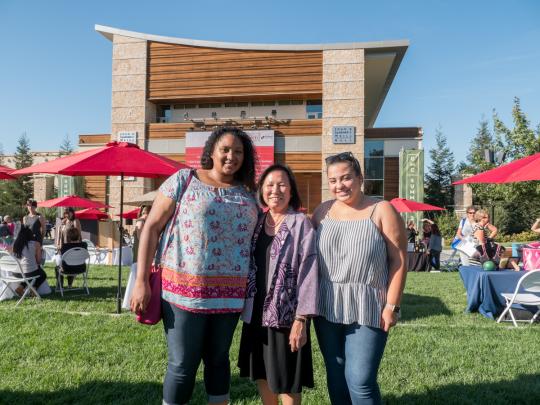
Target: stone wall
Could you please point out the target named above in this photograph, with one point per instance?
(130, 110)
(343, 103)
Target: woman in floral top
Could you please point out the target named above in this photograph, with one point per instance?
(206, 264)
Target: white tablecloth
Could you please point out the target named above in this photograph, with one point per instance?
(127, 256)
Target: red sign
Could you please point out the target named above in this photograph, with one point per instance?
(262, 140)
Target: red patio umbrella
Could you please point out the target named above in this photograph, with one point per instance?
(525, 169)
(91, 214)
(404, 205)
(132, 214)
(5, 173)
(114, 159)
(71, 201)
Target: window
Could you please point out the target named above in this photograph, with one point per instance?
(164, 113)
(210, 105)
(374, 168)
(314, 109)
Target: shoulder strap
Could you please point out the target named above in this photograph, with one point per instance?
(167, 233)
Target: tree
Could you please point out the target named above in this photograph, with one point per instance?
(66, 148)
(1, 154)
(438, 185)
(13, 194)
(515, 204)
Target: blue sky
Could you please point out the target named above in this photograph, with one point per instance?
(465, 57)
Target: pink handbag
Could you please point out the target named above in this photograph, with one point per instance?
(152, 315)
(531, 258)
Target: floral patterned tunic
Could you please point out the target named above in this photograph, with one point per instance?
(206, 264)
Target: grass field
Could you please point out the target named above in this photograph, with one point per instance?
(75, 350)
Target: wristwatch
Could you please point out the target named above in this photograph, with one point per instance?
(395, 308)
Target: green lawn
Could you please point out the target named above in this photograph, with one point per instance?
(76, 350)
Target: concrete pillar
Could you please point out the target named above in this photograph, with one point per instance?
(343, 103)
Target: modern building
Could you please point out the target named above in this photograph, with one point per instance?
(311, 100)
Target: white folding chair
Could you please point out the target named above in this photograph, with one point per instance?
(74, 257)
(527, 293)
(12, 272)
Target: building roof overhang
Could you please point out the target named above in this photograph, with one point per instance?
(382, 59)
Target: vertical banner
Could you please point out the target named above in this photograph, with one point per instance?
(411, 179)
(262, 140)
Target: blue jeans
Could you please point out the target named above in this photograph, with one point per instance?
(192, 337)
(352, 355)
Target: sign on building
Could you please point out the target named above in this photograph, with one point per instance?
(344, 135)
(127, 136)
(262, 140)
(411, 178)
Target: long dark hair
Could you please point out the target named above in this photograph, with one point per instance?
(25, 235)
(295, 203)
(246, 173)
(435, 230)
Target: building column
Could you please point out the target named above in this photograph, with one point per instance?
(130, 109)
(343, 104)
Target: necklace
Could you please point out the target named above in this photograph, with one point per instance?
(274, 225)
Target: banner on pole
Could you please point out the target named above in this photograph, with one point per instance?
(411, 179)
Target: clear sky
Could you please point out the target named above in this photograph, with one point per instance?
(465, 57)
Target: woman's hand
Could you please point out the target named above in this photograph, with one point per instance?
(388, 319)
(140, 296)
(298, 335)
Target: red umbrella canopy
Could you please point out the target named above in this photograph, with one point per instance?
(133, 214)
(115, 158)
(404, 205)
(5, 173)
(91, 213)
(71, 201)
(525, 169)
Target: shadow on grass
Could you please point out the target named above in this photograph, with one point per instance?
(80, 295)
(525, 389)
(93, 392)
(103, 392)
(421, 306)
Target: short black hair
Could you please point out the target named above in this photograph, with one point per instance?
(246, 172)
(295, 203)
(344, 157)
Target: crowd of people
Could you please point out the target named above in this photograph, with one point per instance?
(239, 250)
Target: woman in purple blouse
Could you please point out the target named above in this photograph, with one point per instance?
(275, 348)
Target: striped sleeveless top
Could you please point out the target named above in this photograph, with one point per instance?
(353, 271)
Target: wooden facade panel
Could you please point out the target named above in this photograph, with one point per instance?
(391, 177)
(94, 138)
(178, 72)
(301, 162)
(95, 188)
(178, 130)
(309, 188)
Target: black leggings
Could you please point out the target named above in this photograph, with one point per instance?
(37, 283)
(434, 259)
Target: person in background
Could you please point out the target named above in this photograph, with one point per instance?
(536, 226)
(426, 232)
(361, 245)
(4, 229)
(73, 240)
(48, 228)
(482, 228)
(434, 248)
(69, 221)
(466, 230)
(412, 233)
(35, 221)
(10, 224)
(143, 214)
(28, 251)
(275, 347)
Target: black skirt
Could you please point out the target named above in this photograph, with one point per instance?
(265, 354)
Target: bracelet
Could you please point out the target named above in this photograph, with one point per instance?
(300, 319)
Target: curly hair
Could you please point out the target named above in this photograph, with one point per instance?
(295, 203)
(246, 173)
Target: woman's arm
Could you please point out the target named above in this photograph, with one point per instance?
(162, 210)
(393, 231)
(536, 226)
(78, 226)
(38, 253)
(138, 228)
(492, 231)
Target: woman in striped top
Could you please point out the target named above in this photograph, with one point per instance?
(361, 245)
